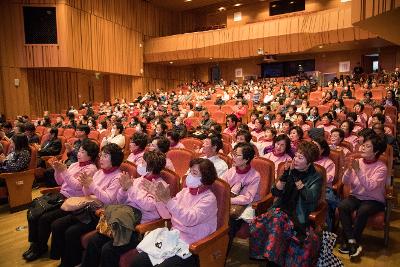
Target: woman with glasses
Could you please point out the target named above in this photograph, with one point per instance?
(103, 185)
(244, 181)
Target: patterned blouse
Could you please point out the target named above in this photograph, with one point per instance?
(16, 161)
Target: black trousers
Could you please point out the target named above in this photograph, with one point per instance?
(66, 239)
(100, 251)
(364, 208)
(143, 260)
(234, 227)
(40, 228)
(49, 179)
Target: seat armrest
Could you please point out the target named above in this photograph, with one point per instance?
(12, 175)
(318, 217)
(149, 226)
(201, 244)
(50, 190)
(263, 204)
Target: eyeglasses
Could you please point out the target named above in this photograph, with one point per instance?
(236, 155)
(104, 155)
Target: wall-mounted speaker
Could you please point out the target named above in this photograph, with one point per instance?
(40, 25)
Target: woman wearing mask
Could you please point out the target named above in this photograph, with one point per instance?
(193, 213)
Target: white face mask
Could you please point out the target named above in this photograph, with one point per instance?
(177, 123)
(113, 131)
(138, 128)
(100, 127)
(142, 169)
(193, 181)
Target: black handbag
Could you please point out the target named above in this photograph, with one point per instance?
(45, 203)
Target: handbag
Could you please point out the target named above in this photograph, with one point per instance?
(103, 227)
(77, 203)
(42, 204)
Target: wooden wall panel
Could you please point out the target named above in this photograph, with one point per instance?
(55, 90)
(15, 99)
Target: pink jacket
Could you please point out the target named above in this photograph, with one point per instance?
(138, 198)
(245, 185)
(104, 186)
(135, 158)
(276, 160)
(194, 216)
(369, 182)
(68, 179)
(330, 168)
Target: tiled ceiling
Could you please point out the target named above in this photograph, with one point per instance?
(181, 5)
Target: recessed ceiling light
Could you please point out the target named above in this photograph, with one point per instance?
(291, 2)
(211, 58)
(321, 46)
(188, 0)
(171, 62)
(238, 4)
(344, 1)
(221, 8)
(273, 5)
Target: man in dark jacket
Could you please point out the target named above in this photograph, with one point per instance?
(51, 147)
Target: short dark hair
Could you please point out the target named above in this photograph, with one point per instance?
(286, 139)
(378, 143)
(139, 139)
(381, 118)
(207, 170)
(91, 148)
(324, 146)
(7, 125)
(21, 127)
(350, 123)
(84, 128)
(340, 131)
(20, 141)
(351, 115)
(163, 143)
(299, 131)
(382, 108)
(328, 116)
(216, 141)
(233, 118)
(247, 150)
(30, 127)
(103, 124)
(272, 129)
(174, 135)
(117, 156)
(365, 132)
(217, 128)
(360, 104)
(120, 127)
(288, 122)
(54, 131)
(309, 150)
(155, 161)
(302, 115)
(246, 134)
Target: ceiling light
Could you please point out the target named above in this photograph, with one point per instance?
(291, 2)
(171, 62)
(273, 5)
(188, 1)
(211, 58)
(321, 46)
(221, 8)
(238, 4)
(344, 1)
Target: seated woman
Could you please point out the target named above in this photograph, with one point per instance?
(296, 136)
(326, 120)
(361, 116)
(231, 125)
(67, 231)
(301, 122)
(366, 176)
(313, 115)
(115, 137)
(254, 115)
(19, 157)
(304, 108)
(336, 139)
(347, 126)
(193, 213)
(100, 249)
(162, 144)
(136, 146)
(284, 231)
(244, 181)
(280, 152)
(39, 226)
(174, 138)
(258, 131)
(266, 141)
(331, 198)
